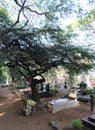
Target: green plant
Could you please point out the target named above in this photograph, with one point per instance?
(54, 90)
(88, 91)
(77, 124)
(20, 87)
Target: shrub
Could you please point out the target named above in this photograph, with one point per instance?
(20, 87)
(77, 124)
(88, 91)
(54, 90)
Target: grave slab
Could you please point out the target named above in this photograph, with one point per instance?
(89, 122)
(84, 98)
(61, 104)
(92, 118)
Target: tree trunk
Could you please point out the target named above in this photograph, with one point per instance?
(33, 83)
(35, 93)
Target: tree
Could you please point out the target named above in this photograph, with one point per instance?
(31, 54)
(85, 26)
(33, 51)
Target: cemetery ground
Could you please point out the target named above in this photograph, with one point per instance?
(11, 119)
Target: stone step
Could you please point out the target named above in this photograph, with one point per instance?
(92, 118)
(88, 123)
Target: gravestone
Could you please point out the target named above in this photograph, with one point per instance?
(93, 89)
(83, 86)
(72, 94)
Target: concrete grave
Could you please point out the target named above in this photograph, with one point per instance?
(85, 98)
(89, 122)
(61, 104)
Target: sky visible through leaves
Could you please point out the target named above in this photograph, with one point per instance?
(83, 38)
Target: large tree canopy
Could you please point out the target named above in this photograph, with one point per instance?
(33, 51)
(41, 49)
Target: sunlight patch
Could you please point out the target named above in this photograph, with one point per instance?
(1, 114)
(1, 104)
(17, 99)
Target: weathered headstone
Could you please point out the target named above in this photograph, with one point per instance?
(93, 89)
(72, 94)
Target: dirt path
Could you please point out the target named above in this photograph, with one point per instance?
(10, 119)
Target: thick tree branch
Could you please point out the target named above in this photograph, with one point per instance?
(27, 20)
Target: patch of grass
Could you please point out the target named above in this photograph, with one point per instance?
(77, 124)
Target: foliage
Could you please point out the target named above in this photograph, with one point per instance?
(47, 12)
(20, 87)
(29, 50)
(37, 50)
(34, 50)
(88, 91)
(54, 90)
(4, 73)
(86, 22)
(15, 75)
(29, 44)
(3, 15)
(77, 124)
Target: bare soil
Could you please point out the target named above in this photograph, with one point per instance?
(10, 119)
